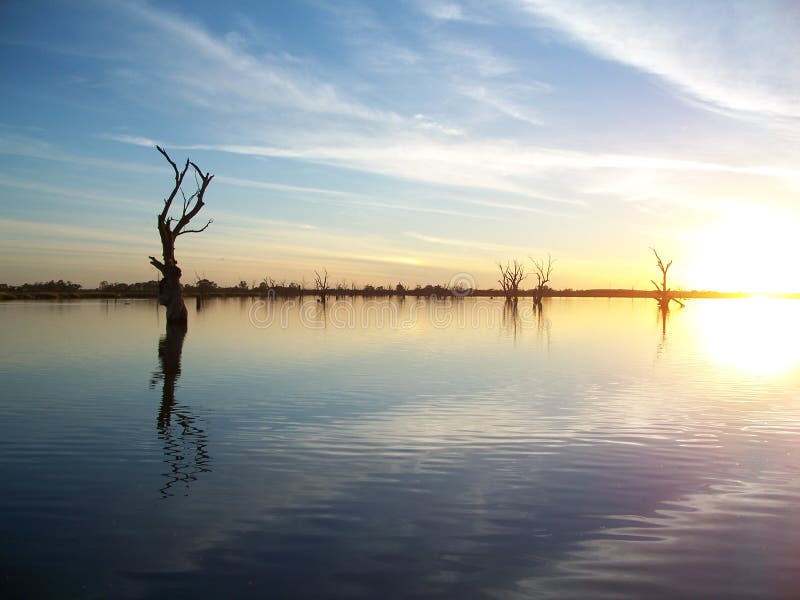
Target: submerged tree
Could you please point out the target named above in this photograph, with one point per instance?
(663, 294)
(542, 272)
(169, 228)
(321, 284)
(511, 275)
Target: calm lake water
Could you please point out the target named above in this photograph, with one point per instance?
(381, 449)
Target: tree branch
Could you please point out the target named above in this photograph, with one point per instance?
(179, 175)
(198, 197)
(157, 263)
(165, 155)
(203, 228)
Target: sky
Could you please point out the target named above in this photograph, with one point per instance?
(411, 141)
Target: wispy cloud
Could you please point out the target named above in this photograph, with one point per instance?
(35, 147)
(424, 209)
(482, 165)
(429, 124)
(136, 140)
(504, 166)
(257, 224)
(744, 57)
(499, 98)
(279, 187)
(228, 78)
(443, 10)
(474, 57)
(351, 198)
(465, 244)
(24, 230)
(108, 200)
(519, 207)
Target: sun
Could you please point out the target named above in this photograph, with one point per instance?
(751, 250)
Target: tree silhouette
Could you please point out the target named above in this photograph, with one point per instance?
(321, 284)
(663, 294)
(511, 275)
(169, 228)
(542, 271)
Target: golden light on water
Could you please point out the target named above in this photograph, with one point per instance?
(755, 336)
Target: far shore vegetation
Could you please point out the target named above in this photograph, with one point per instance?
(65, 290)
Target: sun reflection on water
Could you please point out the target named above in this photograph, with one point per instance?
(756, 336)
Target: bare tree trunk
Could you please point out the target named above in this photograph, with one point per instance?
(170, 293)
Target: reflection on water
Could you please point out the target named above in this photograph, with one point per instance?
(452, 448)
(511, 316)
(184, 440)
(758, 335)
(663, 316)
(637, 556)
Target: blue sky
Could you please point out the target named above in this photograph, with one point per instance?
(404, 141)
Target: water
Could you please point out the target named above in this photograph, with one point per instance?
(380, 449)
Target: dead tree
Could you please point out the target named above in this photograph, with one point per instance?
(511, 275)
(663, 294)
(169, 228)
(268, 283)
(321, 284)
(542, 271)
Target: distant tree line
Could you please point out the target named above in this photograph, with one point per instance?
(321, 288)
(41, 289)
(43, 286)
(204, 287)
(512, 273)
(124, 288)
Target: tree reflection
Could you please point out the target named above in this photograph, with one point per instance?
(663, 317)
(542, 326)
(511, 316)
(184, 440)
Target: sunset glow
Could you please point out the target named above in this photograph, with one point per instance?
(405, 142)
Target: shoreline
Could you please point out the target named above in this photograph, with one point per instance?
(592, 293)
